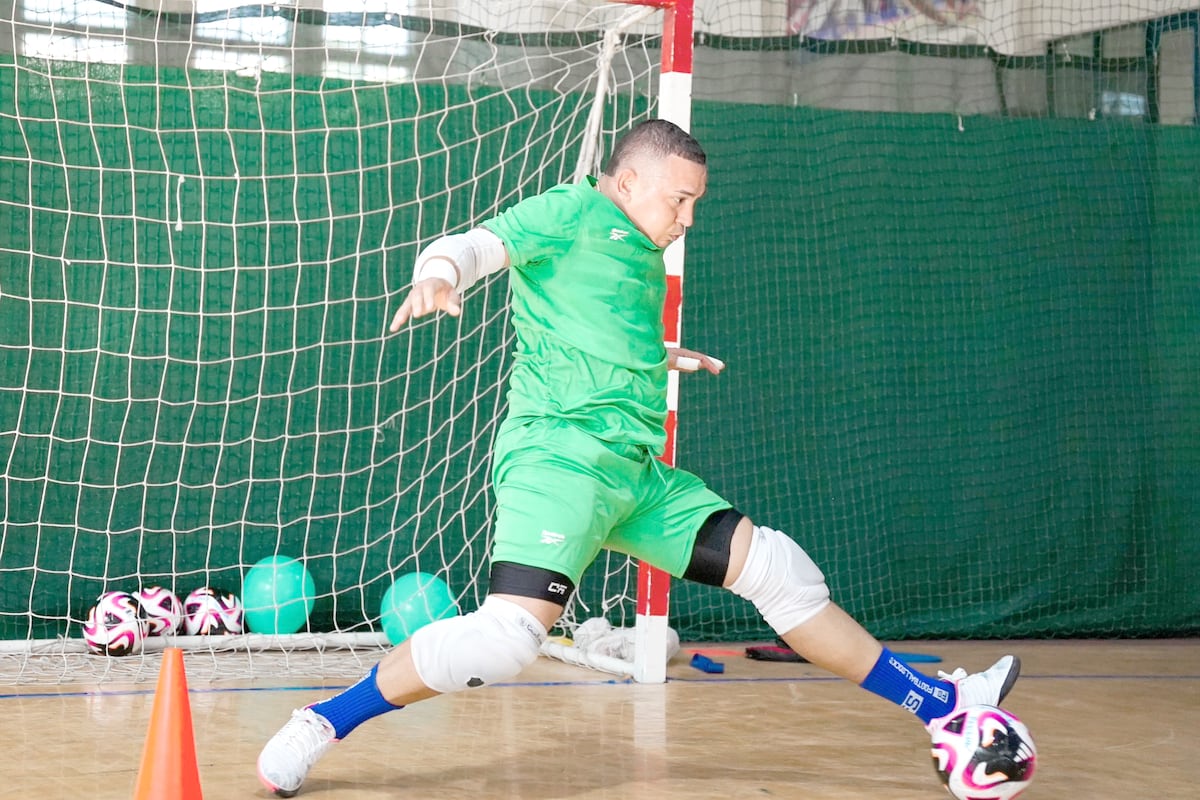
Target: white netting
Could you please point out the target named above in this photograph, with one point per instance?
(215, 214)
(211, 210)
(595, 643)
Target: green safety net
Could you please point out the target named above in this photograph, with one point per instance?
(963, 352)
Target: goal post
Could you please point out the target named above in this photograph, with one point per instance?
(650, 642)
(674, 105)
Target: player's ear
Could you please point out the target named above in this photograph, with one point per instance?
(625, 180)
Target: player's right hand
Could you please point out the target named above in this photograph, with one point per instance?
(425, 297)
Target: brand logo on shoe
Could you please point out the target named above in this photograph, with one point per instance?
(550, 537)
(617, 235)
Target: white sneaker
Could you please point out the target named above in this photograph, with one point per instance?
(291, 753)
(985, 688)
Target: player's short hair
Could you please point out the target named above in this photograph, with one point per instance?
(657, 138)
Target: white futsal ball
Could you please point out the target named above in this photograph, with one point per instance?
(115, 626)
(983, 753)
(163, 610)
(212, 612)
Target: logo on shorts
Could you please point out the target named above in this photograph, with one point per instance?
(617, 235)
(556, 588)
(550, 537)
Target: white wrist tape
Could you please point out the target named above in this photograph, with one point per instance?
(461, 259)
(782, 581)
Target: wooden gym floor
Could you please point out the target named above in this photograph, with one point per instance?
(1112, 719)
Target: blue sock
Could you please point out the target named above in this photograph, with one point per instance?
(356, 705)
(928, 698)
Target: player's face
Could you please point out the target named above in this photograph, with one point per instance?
(660, 197)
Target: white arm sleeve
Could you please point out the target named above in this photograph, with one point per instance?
(461, 259)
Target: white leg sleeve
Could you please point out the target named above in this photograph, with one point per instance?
(492, 644)
(782, 581)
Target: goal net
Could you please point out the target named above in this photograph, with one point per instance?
(210, 218)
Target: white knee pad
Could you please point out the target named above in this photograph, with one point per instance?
(489, 645)
(781, 580)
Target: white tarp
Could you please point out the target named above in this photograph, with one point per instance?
(1016, 27)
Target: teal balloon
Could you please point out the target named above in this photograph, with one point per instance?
(413, 601)
(278, 595)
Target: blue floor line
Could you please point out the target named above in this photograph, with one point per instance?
(149, 690)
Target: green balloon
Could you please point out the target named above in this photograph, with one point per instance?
(278, 595)
(413, 601)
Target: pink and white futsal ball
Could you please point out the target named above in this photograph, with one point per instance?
(115, 626)
(162, 608)
(983, 753)
(212, 612)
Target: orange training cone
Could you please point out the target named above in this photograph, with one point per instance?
(169, 770)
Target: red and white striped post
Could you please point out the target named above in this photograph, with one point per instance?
(675, 105)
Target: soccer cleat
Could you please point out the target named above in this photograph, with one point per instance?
(291, 753)
(985, 688)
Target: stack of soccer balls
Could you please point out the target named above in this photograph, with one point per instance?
(983, 753)
(120, 622)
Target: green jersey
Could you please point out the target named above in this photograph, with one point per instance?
(587, 298)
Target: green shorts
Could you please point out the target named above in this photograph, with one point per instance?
(562, 495)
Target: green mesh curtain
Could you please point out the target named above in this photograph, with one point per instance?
(963, 350)
(963, 364)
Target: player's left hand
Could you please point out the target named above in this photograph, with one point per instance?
(692, 360)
